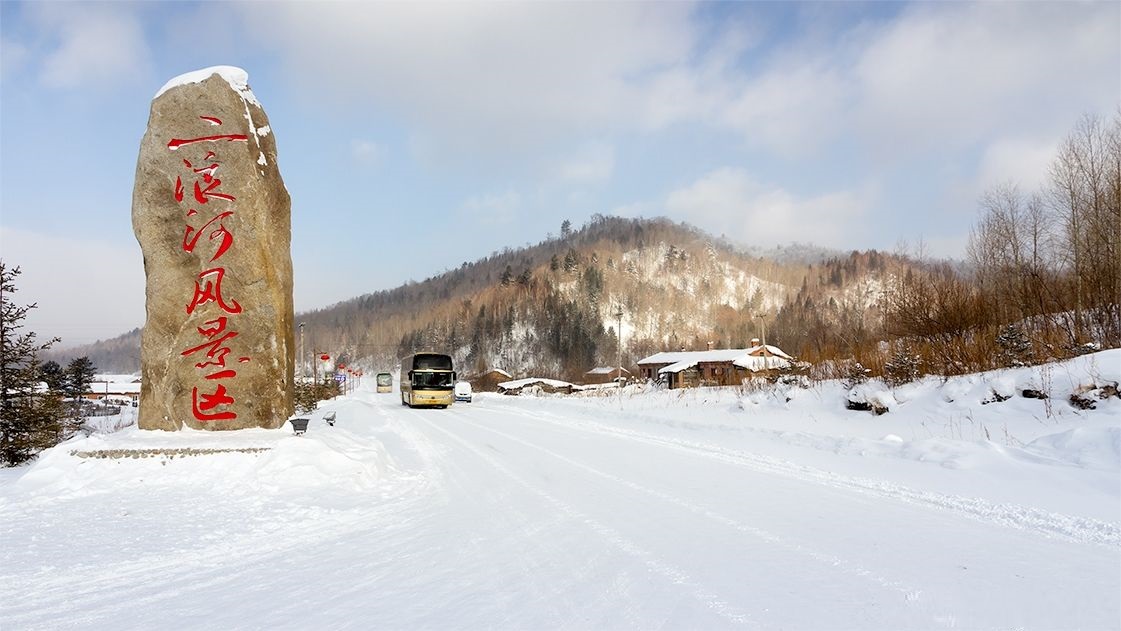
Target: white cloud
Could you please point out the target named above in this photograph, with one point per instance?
(98, 45)
(729, 201)
(102, 300)
(505, 79)
(1023, 162)
(795, 107)
(494, 208)
(954, 73)
(366, 152)
(480, 76)
(594, 163)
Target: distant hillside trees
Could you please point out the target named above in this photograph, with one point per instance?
(120, 354)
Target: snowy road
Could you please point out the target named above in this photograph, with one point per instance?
(511, 514)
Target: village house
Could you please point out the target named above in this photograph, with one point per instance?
(723, 367)
(488, 381)
(605, 374)
(127, 392)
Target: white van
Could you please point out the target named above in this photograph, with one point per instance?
(463, 391)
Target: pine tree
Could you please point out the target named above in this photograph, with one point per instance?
(29, 421)
(570, 261)
(903, 367)
(51, 374)
(77, 379)
(1015, 347)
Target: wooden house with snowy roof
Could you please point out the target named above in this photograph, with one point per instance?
(722, 367)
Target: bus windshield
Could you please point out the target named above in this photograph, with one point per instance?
(432, 361)
(385, 379)
(423, 380)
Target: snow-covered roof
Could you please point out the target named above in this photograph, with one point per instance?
(605, 370)
(497, 370)
(113, 387)
(759, 362)
(673, 357)
(749, 358)
(520, 383)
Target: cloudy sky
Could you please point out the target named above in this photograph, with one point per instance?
(850, 125)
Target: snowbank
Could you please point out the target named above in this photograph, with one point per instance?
(242, 461)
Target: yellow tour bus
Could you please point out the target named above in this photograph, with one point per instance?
(385, 382)
(427, 379)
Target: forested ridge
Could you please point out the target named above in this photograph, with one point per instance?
(552, 309)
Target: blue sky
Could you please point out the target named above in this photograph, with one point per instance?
(849, 125)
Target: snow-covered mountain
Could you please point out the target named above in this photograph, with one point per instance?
(552, 309)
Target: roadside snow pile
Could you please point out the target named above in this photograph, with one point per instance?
(872, 396)
(337, 459)
(253, 459)
(969, 421)
(1091, 448)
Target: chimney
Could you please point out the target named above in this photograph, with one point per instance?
(710, 346)
(754, 342)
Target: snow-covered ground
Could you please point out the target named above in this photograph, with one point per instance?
(706, 508)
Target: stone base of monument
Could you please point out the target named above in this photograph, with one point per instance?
(182, 452)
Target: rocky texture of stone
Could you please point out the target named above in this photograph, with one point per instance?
(213, 219)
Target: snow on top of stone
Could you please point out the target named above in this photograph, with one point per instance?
(236, 77)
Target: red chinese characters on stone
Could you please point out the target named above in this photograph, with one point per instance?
(216, 352)
(225, 237)
(209, 402)
(176, 143)
(201, 408)
(207, 291)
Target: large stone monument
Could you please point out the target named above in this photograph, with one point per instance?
(214, 223)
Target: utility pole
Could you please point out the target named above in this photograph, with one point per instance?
(619, 340)
(763, 323)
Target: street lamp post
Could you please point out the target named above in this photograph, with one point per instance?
(303, 364)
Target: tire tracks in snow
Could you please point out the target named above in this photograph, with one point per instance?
(669, 572)
(910, 594)
(1081, 530)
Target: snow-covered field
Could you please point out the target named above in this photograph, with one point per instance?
(700, 509)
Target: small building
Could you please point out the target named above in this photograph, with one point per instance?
(605, 374)
(119, 391)
(489, 380)
(725, 367)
